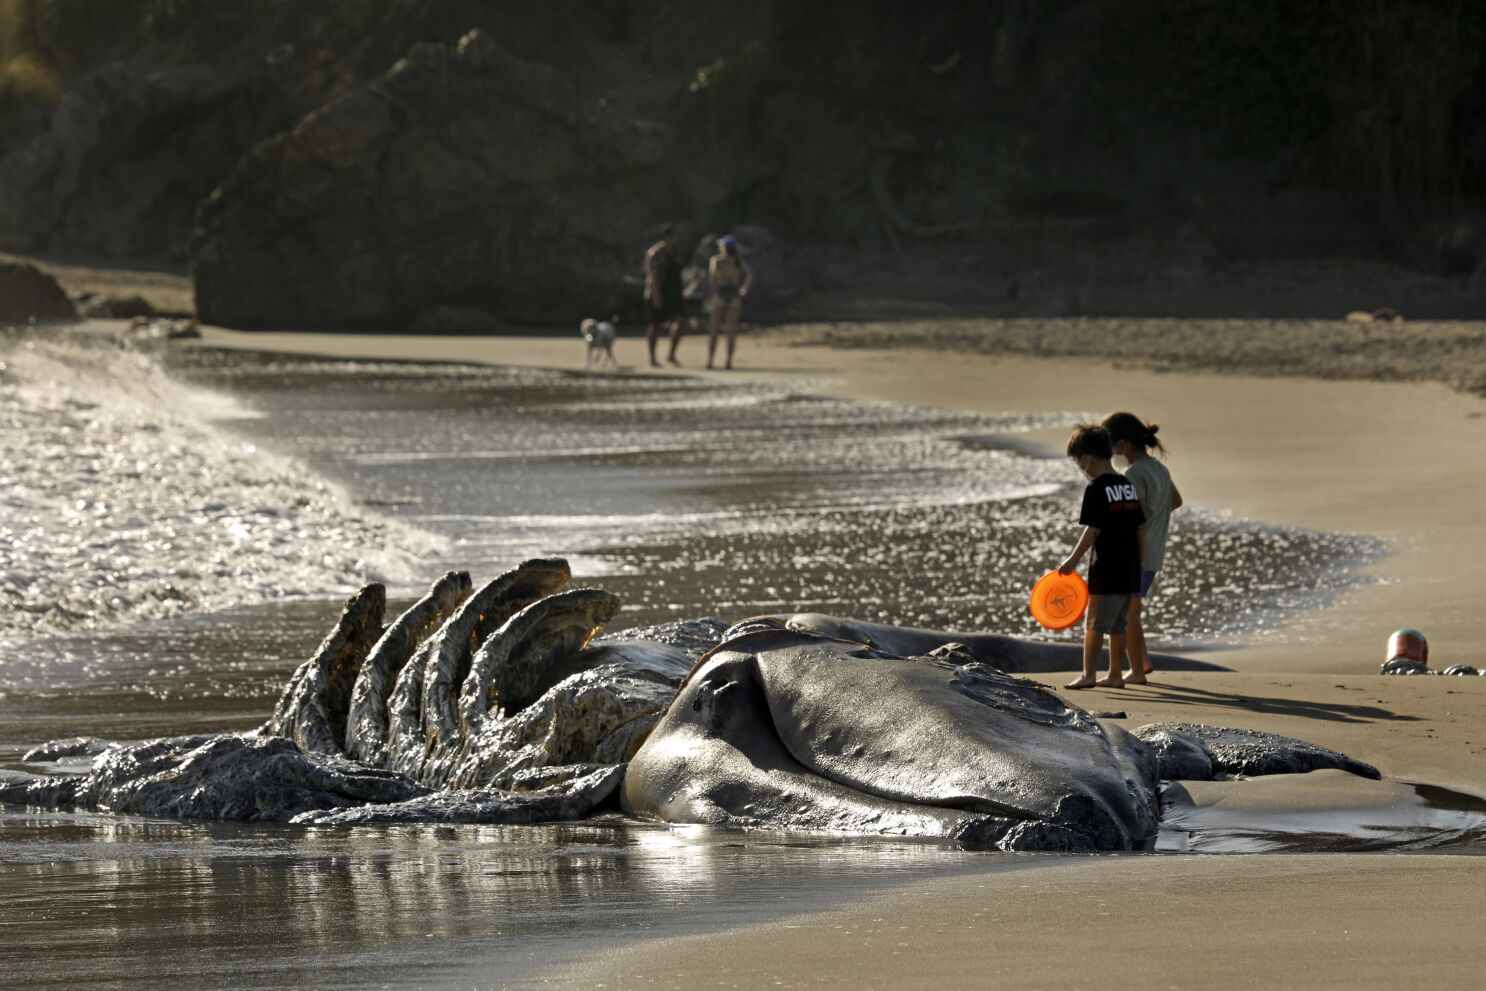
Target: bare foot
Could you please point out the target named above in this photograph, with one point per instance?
(1111, 681)
(1148, 668)
(1131, 678)
(672, 360)
(654, 363)
(1084, 682)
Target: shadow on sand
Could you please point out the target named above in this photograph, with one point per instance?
(1185, 695)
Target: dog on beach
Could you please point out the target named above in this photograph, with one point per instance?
(599, 335)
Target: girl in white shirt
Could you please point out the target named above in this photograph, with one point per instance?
(1134, 439)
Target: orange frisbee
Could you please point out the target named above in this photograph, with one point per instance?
(1059, 601)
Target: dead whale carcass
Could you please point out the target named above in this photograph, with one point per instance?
(499, 704)
(788, 730)
(495, 699)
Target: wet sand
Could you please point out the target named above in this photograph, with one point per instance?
(1394, 461)
(1128, 922)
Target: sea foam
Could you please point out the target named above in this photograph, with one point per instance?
(124, 497)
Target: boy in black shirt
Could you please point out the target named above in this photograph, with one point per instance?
(1114, 527)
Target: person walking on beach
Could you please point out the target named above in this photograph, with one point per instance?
(1133, 440)
(1114, 527)
(663, 293)
(729, 277)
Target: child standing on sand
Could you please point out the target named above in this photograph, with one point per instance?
(1114, 528)
(1133, 440)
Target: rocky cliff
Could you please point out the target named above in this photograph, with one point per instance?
(463, 176)
(356, 168)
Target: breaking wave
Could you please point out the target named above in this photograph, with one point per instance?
(124, 498)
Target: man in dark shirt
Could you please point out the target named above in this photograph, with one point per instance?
(1114, 526)
(663, 293)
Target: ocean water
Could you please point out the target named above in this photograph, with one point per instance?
(178, 529)
(124, 499)
(134, 902)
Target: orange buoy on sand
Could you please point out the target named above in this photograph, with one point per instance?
(1409, 645)
(1059, 601)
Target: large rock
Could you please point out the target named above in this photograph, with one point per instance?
(27, 293)
(132, 148)
(463, 177)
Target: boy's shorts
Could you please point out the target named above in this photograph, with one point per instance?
(1147, 579)
(1110, 612)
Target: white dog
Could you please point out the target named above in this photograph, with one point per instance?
(600, 336)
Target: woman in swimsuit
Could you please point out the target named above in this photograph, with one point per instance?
(729, 276)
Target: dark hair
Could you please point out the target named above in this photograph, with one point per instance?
(1089, 438)
(1132, 429)
(668, 230)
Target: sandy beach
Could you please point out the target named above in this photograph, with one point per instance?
(1370, 457)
